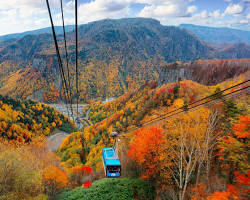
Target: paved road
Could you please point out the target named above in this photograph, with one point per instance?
(54, 141)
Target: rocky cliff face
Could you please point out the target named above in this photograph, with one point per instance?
(208, 72)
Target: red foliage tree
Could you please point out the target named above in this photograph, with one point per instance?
(78, 174)
(241, 130)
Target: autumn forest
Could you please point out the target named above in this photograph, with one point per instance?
(179, 107)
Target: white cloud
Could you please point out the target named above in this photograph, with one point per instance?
(234, 9)
(204, 14)
(216, 14)
(159, 9)
(22, 15)
(201, 18)
(205, 18)
(24, 4)
(243, 21)
(155, 2)
(163, 10)
(100, 9)
(191, 9)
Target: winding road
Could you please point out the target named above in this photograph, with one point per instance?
(54, 141)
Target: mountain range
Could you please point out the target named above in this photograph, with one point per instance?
(213, 35)
(115, 56)
(58, 30)
(218, 35)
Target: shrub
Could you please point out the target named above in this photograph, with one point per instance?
(110, 188)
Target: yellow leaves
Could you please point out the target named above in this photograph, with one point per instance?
(95, 157)
(53, 124)
(24, 165)
(7, 114)
(46, 131)
(2, 115)
(87, 134)
(44, 118)
(70, 149)
(22, 121)
(185, 134)
(16, 178)
(6, 107)
(132, 107)
(110, 129)
(118, 124)
(181, 92)
(3, 125)
(178, 103)
(65, 142)
(38, 107)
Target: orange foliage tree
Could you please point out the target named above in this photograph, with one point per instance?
(54, 179)
(146, 149)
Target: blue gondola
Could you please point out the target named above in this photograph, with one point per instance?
(111, 163)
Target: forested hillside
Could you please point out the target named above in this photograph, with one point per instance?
(115, 55)
(20, 122)
(208, 145)
(28, 169)
(201, 154)
(132, 106)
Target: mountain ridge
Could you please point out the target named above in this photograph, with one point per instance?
(58, 29)
(114, 56)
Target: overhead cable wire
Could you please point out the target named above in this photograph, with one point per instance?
(76, 46)
(208, 97)
(67, 61)
(201, 104)
(64, 83)
(167, 116)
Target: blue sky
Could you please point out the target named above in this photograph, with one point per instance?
(22, 15)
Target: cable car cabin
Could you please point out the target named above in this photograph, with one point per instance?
(111, 163)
